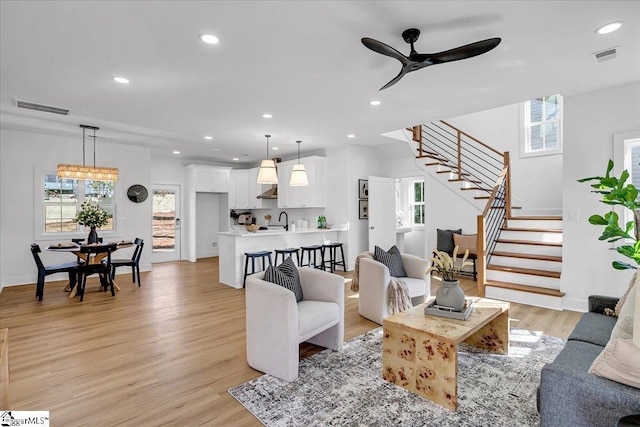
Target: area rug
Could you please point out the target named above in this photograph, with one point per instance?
(345, 388)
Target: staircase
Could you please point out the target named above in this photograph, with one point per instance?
(519, 258)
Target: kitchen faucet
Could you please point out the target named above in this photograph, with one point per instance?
(286, 220)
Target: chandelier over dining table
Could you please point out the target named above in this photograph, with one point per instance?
(96, 173)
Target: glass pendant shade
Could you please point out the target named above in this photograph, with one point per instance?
(299, 173)
(298, 176)
(267, 173)
(94, 173)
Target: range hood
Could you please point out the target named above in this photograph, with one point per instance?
(271, 193)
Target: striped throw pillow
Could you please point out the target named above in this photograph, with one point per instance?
(285, 275)
(392, 259)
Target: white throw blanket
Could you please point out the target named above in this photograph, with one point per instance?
(397, 294)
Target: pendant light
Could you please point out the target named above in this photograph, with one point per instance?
(96, 173)
(298, 174)
(267, 173)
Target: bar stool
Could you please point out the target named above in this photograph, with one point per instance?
(253, 255)
(332, 260)
(312, 250)
(288, 252)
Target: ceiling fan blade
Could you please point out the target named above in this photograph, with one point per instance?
(384, 49)
(396, 79)
(458, 53)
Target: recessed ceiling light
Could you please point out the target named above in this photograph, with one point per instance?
(176, 152)
(209, 39)
(275, 148)
(215, 149)
(121, 80)
(351, 135)
(208, 137)
(235, 159)
(267, 115)
(374, 102)
(609, 28)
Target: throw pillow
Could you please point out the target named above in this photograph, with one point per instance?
(285, 275)
(624, 297)
(619, 362)
(466, 242)
(392, 259)
(623, 329)
(445, 240)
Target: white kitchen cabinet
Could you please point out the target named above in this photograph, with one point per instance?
(210, 179)
(255, 190)
(239, 189)
(311, 196)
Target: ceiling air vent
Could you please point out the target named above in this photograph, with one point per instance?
(605, 55)
(41, 107)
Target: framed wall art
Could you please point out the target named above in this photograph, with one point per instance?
(363, 209)
(363, 189)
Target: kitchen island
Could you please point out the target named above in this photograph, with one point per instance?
(233, 245)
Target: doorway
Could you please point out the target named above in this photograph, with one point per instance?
(166, 223)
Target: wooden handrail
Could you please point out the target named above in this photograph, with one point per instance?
(472, 138)
(501, 178)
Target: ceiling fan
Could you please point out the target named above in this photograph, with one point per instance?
(416, 61)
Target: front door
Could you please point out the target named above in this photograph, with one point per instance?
(166, 223)
(382, 212)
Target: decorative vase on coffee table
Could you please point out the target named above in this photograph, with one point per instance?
(449, 294)
(93, 236)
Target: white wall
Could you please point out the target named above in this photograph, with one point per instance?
(20, 154)
(345, 165)
(207, 223)
(501, 128)
(591, 120)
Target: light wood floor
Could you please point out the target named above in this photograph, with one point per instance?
(162, 354)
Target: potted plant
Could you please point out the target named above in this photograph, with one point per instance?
(92, 216)
(615, 192)
(449, 294)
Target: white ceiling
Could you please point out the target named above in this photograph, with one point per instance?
(301, 61)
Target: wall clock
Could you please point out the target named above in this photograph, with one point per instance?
(137, 193)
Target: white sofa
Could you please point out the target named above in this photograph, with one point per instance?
(374, 282)
(276, 324)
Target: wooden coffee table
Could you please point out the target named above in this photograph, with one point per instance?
(420, 352)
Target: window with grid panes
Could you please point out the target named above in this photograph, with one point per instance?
(543, 130)
(416, 202)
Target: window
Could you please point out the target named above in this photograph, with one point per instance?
(416, 202)
(542, 126)
(61, 199)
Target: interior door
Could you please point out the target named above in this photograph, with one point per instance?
(382, 212)
(166, 223)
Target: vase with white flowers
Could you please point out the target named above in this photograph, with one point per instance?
(449, 294)
(92, 216)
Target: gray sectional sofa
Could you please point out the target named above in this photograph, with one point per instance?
(568, 395)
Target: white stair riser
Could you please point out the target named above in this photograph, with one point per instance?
(453, 186)
(528, 298)
(532, 223)
(532, 236)
(529, 249)
(537, 264)
(524, 279)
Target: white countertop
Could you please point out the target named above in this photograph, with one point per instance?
(281, 231)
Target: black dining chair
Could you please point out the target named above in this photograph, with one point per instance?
(44, 271)
(102, 267)
(134, 262)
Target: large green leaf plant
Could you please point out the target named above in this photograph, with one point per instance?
(615, 192)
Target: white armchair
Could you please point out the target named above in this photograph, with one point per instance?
(276, 324)
(374, 283)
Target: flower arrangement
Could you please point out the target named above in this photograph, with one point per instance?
(91, 215)
(446, 264)
(267, 217)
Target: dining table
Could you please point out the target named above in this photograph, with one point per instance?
(75, 248)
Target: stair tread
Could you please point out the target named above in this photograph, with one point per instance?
(474, 188)
(528, 256)
(481, 197)
(541, 230)
(525, 288)
(520, 270)
(464, 180)
(536, 218)
(443, 171)
(529, 242)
